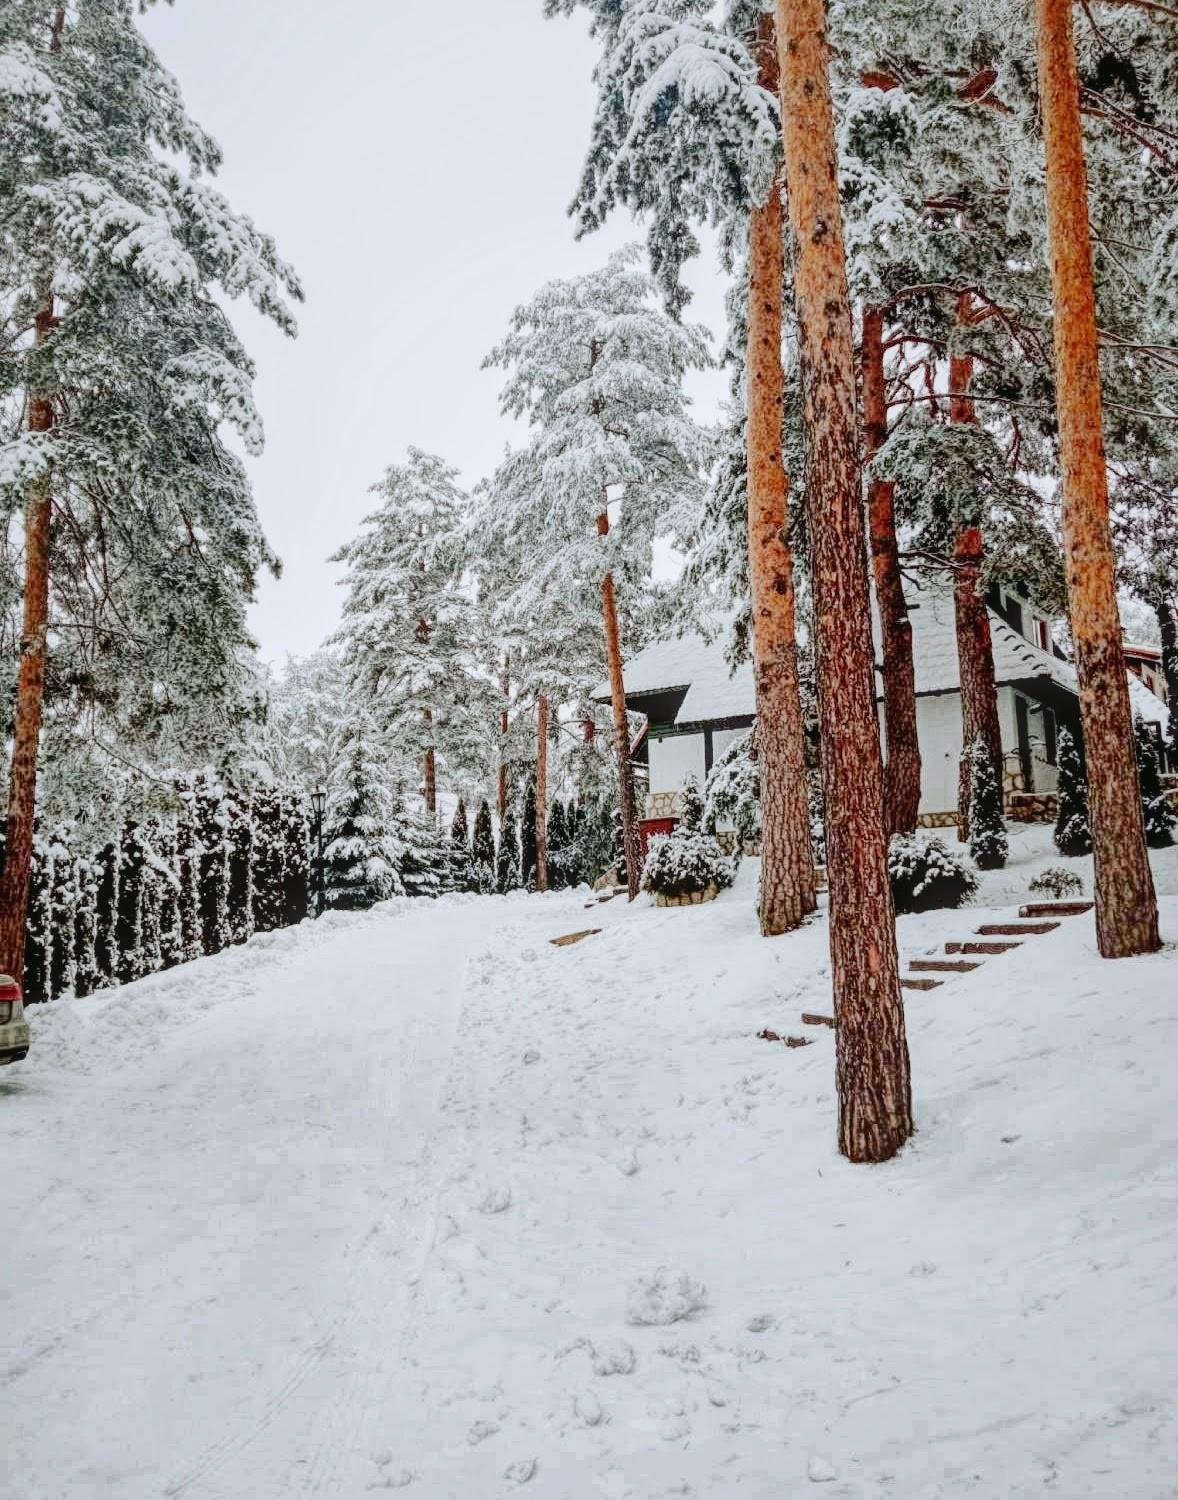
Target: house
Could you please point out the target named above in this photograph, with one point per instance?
(1145, 662)
(695, 706)
(1038, 695)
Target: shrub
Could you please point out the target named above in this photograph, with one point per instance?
(926, 874)
(684, 863)
(1073, 836)
(1159, 820)
(987, 832)
(1058, 882)
(732, 792)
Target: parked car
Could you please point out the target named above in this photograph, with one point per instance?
(14, 1029)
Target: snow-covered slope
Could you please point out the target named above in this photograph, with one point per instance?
(416, 1200)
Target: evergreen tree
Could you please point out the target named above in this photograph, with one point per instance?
(425, 863)
(63, 898)
(296, 861)
(1072, 834)
(106, 948)
(507, 855)
(86, 928)
(461, 875)
(527, 837)
(598, 372)
(37, 977)
(129, 923)
(123, 366)
(241, 870)
(212, 836)
(558, 848)
(268, 860)
(691, 806)
(1156, 811)
(988, 842)
(364, 851)
(483, 850)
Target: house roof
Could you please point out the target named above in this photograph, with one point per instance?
(690, 663)
(1016, 659)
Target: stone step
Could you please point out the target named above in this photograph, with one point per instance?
(921, 984)
(1055, 908)
(942, 965)
(984, 948)
(1015, 929)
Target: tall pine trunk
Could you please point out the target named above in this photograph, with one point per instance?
(30, 694)
(542, 793)
(975, 647)
(902, 766)
(1126, 906)
(504, 724)
(874, 1087)
(617, 693)
(787, 865)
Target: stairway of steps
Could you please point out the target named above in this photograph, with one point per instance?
(992, 939)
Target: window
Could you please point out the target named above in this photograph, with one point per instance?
(1049, 736)
(1043, 636)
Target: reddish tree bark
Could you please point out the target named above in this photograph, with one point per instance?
(617, 693)
(902, 766)
(787, 864)
(542, 793)
(504, 724)
(1126, 905)
(30, 690)
(874, 1088)
(975, 647)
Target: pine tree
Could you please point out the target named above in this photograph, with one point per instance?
(364, 850)
(527, 837)
(1072, 834)
(507, 855)
(988, 843)
(483, 850)
(1126, 904)
(425, 865)
(874, 1088)
(1156, 812)
(296, 872)
(406, 620)
(598, 372)
(113, 253)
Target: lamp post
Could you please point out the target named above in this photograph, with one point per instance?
(318, 804)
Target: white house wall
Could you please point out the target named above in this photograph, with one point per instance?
(673, 760)
(938, 726)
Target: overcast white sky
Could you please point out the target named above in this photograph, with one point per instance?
(415, 161)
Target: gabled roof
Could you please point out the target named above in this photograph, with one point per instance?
(1016, 659)
(689, 663)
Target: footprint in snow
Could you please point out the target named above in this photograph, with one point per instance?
(480, 1432)
(761, 1323)
(821, 1470)
(587, 1409)
(616, 1357)
(521, 1471)
(495, 1200)
(664, 1297)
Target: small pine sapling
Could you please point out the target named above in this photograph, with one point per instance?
(1073, 836)
(1159, 817)
(558, 848)
(988, 842)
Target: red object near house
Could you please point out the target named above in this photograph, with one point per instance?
(649, 827)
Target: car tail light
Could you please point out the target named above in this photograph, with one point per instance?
(11, 1008)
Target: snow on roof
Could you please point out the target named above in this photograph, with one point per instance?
(714, 691)
(1016, 659)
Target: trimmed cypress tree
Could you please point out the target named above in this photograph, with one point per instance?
(461, 875)
(296, 862)
(86, 927)
(1073, 836)
(38, 941)
(1159, 819)
(507, 855)
(240, 839)
(269, 861)
(106, 949)
(171, 941)
(527, 837)
(692, 801)
(558, 848)
(63, 910)
(987, 831)
(128, 930)
(483, 849)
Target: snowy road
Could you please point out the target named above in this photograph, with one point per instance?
(415, 1201)
(227, 1228)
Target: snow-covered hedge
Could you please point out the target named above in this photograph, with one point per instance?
(926, 874)
(684, 862)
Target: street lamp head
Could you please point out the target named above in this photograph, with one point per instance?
(318, 801)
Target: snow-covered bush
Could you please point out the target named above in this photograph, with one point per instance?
(987, 832)
(1057, 882)
(732, 792)
(926, 874)
(684, 863)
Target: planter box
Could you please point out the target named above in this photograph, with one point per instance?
(690, 898)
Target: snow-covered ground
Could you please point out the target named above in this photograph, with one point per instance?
(414, 1200)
